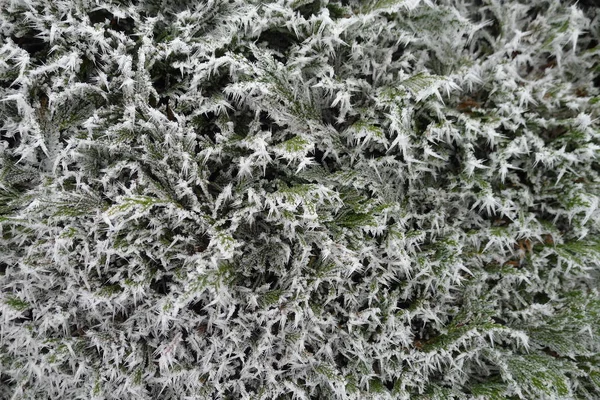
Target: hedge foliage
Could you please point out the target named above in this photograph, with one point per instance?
(299, 199)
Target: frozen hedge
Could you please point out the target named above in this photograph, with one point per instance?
(301, 199)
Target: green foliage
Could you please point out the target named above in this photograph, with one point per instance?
(312, 199)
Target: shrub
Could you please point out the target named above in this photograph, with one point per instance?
(299, 199)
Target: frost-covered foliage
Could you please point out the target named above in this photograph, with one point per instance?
(299, 199)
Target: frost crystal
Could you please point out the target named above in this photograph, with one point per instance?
(299, 199)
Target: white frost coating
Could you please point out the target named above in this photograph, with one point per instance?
(299, 199)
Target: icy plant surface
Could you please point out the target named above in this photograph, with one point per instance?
(299, 199)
